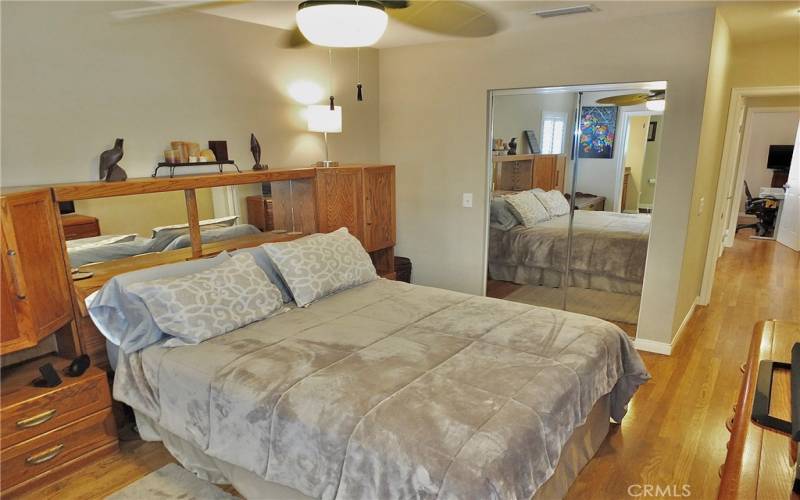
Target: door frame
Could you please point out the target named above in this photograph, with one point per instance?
(624, 121)
(728, 174)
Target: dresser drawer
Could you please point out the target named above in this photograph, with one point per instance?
(79, 231)
(55, 407)
(56, 448)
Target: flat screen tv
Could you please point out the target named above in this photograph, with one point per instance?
(780, 157)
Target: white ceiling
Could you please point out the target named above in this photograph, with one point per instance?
(512, 16)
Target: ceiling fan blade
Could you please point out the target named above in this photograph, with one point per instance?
(294, 39)
(170, 7)
(625, 99)
(395, 4)
(448, 17)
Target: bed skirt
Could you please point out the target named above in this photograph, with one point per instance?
(538, 276)
(579, 449)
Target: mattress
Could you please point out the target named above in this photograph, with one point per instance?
(390, 390)
(608, 251)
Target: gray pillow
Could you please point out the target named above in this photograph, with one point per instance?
(500, 215)
(266, 265)
(123, 318)
(527, 208)
(203, 305)
(321, 264)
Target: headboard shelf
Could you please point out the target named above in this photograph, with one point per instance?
(145, 185)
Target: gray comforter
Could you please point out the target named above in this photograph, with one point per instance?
(390, 390)
(608, 244)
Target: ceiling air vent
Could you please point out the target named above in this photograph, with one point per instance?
(565, 11)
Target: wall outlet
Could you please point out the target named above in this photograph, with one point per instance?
(466, 200)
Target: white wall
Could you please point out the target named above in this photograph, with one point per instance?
(74, 79)
(515, 113)
(765, 128)
(434, 128)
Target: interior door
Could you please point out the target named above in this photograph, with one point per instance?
(33, 257)
(789, 225)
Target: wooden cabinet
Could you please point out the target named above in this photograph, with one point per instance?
(362, 199)
(259, 212)
(589, 202)
(49, 432)
(77, 226)
(35, 280)
(523, 172)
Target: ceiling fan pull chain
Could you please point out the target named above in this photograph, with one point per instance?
(359, 95)
(330, 75)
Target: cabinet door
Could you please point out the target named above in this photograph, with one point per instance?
(34, 263)
(544, 172)
(379, 208)
(12, 337)
(340, 200)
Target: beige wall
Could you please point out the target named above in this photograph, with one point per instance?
(74, 79)
(433, 94)
(773, 62)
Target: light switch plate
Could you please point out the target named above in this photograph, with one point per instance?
(466, 200)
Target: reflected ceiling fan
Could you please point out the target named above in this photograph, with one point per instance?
(358, 23)
(654, 100)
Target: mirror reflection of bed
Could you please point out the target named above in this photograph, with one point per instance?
(106, 229)
(607, 178)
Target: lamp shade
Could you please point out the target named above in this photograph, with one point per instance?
(341, 24)
(658, 105)
(322, 119)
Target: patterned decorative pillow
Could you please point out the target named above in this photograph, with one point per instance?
(527, 208)
(500, 215)
(554, 202)
(200, 306)
(321, 264)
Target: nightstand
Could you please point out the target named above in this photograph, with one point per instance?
(78, 226)
(50, 432)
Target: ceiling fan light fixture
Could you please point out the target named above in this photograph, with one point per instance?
(331, 23)
(657, 105)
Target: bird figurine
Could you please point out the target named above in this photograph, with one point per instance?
(512, 147)
(255, 148)
(110, 171)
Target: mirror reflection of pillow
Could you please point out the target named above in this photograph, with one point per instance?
(203, 305)
(554, 202)
(205, 224)
(527, 208)
(500, 215)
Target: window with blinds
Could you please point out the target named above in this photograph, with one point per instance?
(554, 126)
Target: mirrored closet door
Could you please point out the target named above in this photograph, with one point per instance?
(573, 176)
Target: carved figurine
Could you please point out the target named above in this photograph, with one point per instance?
(110, 171)
(512, 146)
(255, 148)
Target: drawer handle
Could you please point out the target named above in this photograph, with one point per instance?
(19, 289)
(44, 456)
(36, 419)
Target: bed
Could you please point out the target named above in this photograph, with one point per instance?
(608, 251)
(388, 390)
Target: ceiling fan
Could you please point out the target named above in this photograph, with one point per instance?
(358, 23)
(654, 99)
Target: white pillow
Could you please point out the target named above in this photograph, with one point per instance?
(321, 264)
(554, 202)
(204, 224)
(98, 241)
(203, 305)
(526, 208)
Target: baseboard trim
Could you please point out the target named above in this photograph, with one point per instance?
(664, 347)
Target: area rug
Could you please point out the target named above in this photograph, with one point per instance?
(610, 306)
(171, 481)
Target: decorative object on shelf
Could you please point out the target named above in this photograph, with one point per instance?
(322, 119)
(207, 155)
(512, 146)
(255, 148)
(220, 150)
(171, 166)
(533, 143)
(597, 128)
(651, 131)
(172, 156)
(183, 154)
(110, 171)
(498, 147)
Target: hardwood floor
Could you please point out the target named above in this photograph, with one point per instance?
(674, 433)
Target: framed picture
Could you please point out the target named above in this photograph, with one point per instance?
(651, 131)
(598, 126)
(533, 144)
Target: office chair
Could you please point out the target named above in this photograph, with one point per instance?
(764, 211)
